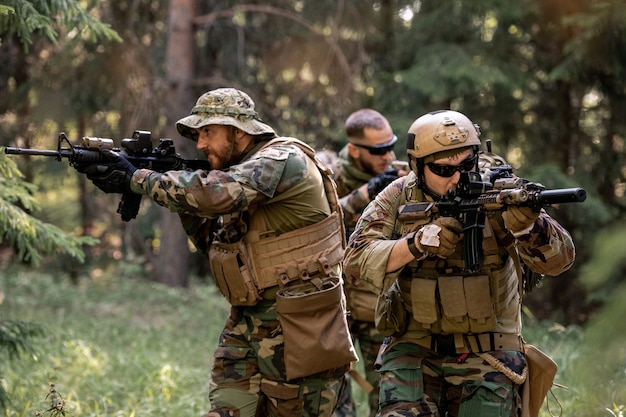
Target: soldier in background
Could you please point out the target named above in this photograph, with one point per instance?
(267, 216)
(362, 169)
(455, 345)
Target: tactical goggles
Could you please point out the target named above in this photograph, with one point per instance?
(381, 149)
(446, 171)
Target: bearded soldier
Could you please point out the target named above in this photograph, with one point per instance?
(455, 345)
(267, 216)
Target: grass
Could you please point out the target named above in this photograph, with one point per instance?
(112, 346)
(118, 346)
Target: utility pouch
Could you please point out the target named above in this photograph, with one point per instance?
(361, 303)
(453, 304)
(231, 273)
(315, 328)
(390, 317)
(479, 306)
(541, 372)
(466, 304)
(424, 301)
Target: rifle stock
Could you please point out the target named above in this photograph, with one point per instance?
(138, 150)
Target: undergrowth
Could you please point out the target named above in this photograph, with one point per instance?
(119, 346)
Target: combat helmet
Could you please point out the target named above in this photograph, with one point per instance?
(433, 135)
(223, 106)
(439, 134)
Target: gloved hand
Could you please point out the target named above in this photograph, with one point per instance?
(519, 220)
(439, 237)
(379, 182)
(112, 174)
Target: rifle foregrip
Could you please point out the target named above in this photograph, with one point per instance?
(129, 206)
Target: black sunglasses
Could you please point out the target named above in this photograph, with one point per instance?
(381, 149)
(447, 171)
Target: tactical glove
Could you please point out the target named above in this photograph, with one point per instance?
(379, 182)
(519, 220)
(112, 175)
(440, 237)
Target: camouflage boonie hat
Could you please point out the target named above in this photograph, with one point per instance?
(224, 106)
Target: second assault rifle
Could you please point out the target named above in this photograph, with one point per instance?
(474, 197)
(138, 150)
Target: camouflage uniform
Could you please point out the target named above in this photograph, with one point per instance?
(427, 370)
(349, 178)
(283, 185)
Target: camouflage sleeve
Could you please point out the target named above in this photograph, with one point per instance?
(213, 193)
(549, 248)
(352, 205)
(200, 193)
(369, 247)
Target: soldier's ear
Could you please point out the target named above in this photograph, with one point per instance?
(353, 150)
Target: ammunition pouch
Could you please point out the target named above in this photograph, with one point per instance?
(315, 329)
(390, 314)
(231, 273)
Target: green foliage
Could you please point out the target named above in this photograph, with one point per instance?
(25, 18)
(19, 229)
(113, 346)
(16, 339)
(604, 272)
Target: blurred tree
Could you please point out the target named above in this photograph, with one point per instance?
(174, 268)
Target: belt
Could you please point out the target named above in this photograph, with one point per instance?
(457, 343)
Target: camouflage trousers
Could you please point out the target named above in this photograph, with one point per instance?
(248, 376)
(369, 341)
(416, 381)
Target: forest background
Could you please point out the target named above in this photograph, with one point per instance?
(545, 80)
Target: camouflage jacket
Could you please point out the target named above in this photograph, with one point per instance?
(278, 181)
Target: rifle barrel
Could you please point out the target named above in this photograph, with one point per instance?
(563, 195)
(27, 151)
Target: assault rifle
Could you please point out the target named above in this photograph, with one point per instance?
(474, 197)
(138, 150)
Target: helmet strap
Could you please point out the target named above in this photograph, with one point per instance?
(417, 165)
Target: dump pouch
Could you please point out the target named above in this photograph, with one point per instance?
(315, 328)
(541, 372)
(231, 273)
(390, 315)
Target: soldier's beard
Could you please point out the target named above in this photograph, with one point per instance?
(229, 156)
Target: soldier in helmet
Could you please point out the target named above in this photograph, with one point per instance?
(456, 345)
(362, 169)
(268, 218)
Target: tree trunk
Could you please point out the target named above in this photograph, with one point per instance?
(174, 259)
